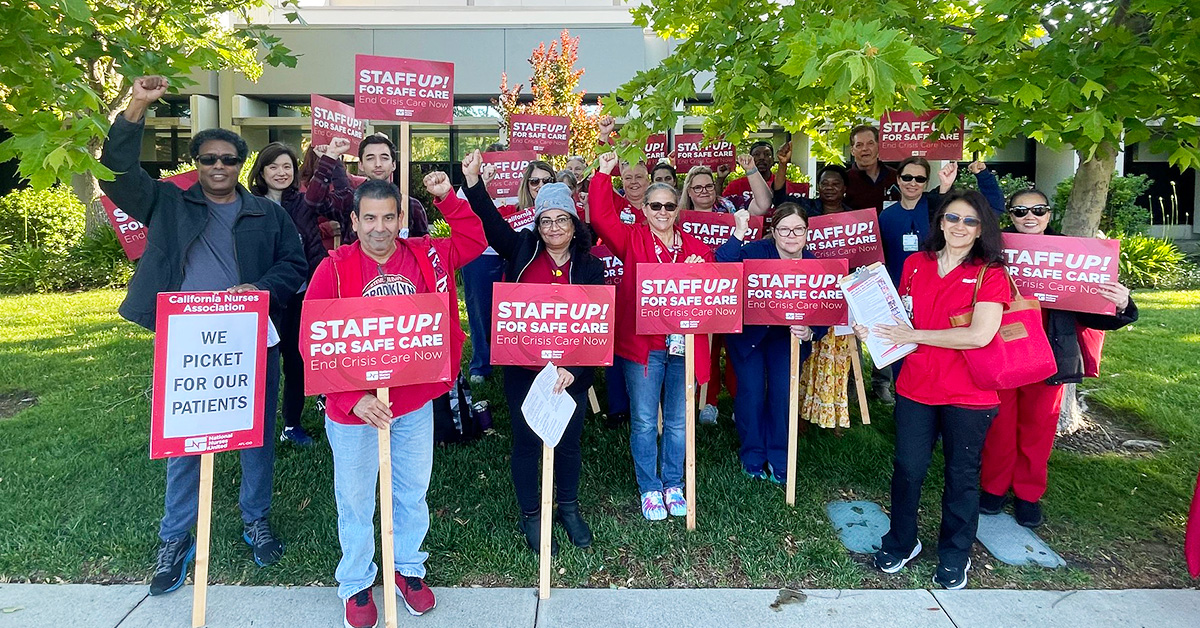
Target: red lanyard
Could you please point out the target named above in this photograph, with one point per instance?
(658, 249)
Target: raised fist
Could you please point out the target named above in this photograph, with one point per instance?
(976, 167)
(488, 173)
(437, 184)
(472, 163)
(741, 221)
(148, 89)
(608, 162)
(338, 147)
(723, 172)
(607, 126)
(948, 174)
(747, 163)
(784, 154)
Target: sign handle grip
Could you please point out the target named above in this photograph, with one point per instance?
(793, 419)
(386, 525)
(689, 378)
(203, 527)
(859, 385)
(546, 513)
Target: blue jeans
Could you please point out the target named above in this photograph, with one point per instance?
(478, 277)
(614, 382)
(182, 502)
(355, 485)
(658, 381)
(761, 405)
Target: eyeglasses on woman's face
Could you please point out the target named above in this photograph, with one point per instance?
(562, 222)
(789, 232)
(703, 187)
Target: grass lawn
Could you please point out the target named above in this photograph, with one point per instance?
(80, 500)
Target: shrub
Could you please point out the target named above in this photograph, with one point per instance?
(1122, 215)
(1148, 262)
(51, 219)
(439, 229)
(98, 261)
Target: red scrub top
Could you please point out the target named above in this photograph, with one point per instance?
(932, 375)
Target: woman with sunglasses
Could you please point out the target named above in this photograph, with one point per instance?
(654, 368)
(556, 250)
(761, 354)
(1018, 444)
(961, 263)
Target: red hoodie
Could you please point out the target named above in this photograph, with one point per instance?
(342, 275)
(634, 244)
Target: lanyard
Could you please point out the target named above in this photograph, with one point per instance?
(658, 249)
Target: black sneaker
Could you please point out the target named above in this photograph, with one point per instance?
(990, 504)
(267, 549)
(577, 529)
(1028, 514)
(296, 436)
(531, 527)
(171, 567)
(891, 563)
(952, 579)
(615, 420)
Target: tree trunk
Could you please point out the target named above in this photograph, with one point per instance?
(1072, 413)
(87, 190)
(1090, 193)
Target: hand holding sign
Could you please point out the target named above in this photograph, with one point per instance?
(373, 411)
(1115, 292)
(565, 378)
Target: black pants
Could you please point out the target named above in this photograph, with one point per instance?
(963, 431)
(293, 363)
(527, 447)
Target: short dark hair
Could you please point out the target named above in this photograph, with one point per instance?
(761, 143)
(837, 169)
(267, 156)
(989, 247)
(377, 189)
(920, 161)
(662, 165)
(1030, 190)
(789, 209)
(376, 138)
(219, 135)
(495, 147)
(864, 127)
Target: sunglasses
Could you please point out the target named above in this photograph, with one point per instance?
(535, 182)
(954, 219)
(1021, 210)
(913, 177)
(211, 160)
(657, 207)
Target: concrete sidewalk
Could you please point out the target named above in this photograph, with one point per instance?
(128, 606)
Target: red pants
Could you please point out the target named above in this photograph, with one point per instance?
(714, 379)
(1018, 444)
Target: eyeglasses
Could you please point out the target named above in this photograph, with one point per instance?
(536, 182)
(1021, 210)
(789, 232)
(954, 219)
(657, 207)
(211, 160)
(707, 187)
(561, 222)
(913, 177)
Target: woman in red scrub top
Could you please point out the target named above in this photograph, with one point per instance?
(935, 393)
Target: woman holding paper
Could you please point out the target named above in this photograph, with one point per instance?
(1017, 449)
(654, 368)
(556, 250)
(961, 264)
(761, 354)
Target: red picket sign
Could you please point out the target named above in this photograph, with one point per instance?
(614, 268)
(408, 90)
(690, 150)
(210, 372)
(689, 298)
(904, 134)
(544, 135)
(794, 292)
(656, 148)
(853, 236)
(535, 323)
(714, 228)
(510, 167)
(365, 343)
(1063, 272)
(131, 233)
(519, 219)
(331, 119)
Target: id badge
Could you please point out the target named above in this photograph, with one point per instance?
(911, 242)
(675, 345)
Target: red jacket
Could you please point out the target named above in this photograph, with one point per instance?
(634, 244)
(340, 275)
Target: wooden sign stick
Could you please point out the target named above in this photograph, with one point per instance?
(203, 521)
(856, 364)
(547, 507)
(405, 152)
(594, 401)
(793, 420)
(386, 527)
(689, 378)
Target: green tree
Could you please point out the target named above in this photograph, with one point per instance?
(68, 65)
(1085, 75)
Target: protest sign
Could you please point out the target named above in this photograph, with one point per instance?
(533, 323)
(614, 268)
(714, 228)
(408, 90)
(904, 134)
(367, 343)
(1063, 273)
(794, 292)
(852, 236)
(518, 219)
(689, 298)
(210, 369)
(331, 119)
(510, 167)
(544, 135)
(655, 148)
(131, 233)
(691, 150)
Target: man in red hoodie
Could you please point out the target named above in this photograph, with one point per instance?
(380, 263)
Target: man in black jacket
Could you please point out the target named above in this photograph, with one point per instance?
(213, 236)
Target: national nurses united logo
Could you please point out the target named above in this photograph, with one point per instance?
(389, 286)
